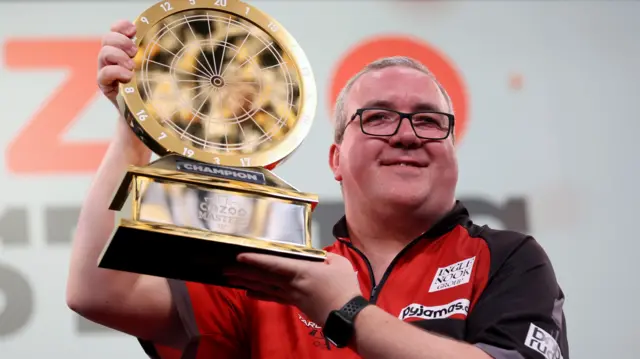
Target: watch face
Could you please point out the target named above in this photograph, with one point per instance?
(338, 329)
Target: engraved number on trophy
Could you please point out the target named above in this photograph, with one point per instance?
(246, 12)
(216, 160)
(245, 161)
(188, 152)
(145, 20)
(129, 90)
(192, 2)
(272, 27)
(142, 115)
(166, 6)
(162, 135)
(221, 3)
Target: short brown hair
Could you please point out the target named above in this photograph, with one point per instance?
(340, 112)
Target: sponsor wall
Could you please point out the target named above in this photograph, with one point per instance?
(545, 95)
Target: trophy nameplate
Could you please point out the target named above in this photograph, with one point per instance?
(222, 93)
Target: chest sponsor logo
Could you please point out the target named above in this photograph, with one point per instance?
(542, 342)
(308, 323)
(459, 306)
(452, 275)
(316, 334)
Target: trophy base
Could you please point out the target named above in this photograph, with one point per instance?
(187, 254)
(190, 220)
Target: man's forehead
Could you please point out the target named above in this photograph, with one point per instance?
(402, 86)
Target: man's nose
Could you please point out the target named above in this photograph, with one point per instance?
(405, 137)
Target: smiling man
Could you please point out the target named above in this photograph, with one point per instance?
(408, 276)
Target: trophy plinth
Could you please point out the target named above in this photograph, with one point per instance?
(223, 94)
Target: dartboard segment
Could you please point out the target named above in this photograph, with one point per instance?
(222, 83)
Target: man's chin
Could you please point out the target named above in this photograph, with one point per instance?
(404, 198)
(404, 172)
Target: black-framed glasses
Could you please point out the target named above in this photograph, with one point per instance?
(428, 125)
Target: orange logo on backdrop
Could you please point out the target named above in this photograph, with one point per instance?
(39, 148)
(384, 46)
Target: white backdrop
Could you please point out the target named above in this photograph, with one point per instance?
(549, 148)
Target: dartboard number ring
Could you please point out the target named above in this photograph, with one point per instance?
(220, 82)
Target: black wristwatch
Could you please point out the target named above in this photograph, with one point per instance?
(339, 327)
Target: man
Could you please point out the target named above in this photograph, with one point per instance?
(427, 284)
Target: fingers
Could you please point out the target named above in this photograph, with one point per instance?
(110, 75)
(124, 27)
(260, 284)
(257, 275)
(119, 41)
(261, 290)
(115, 64)
(110, 55)
(331, 257)
(273, 264)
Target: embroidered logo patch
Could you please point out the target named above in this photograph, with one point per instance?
(452, 275)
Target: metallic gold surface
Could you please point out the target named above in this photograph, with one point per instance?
(218, 85)
(220, 82)
(219, 210)
(164, 169)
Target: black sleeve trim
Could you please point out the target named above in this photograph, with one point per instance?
(149, 349)
(499, 353)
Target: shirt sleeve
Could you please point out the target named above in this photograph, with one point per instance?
(214, 319)
(519, 315)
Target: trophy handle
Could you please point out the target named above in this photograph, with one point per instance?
(122, 193)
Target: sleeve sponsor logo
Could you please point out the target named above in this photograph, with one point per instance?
(453, 275)
(459, 306)
(542, 342)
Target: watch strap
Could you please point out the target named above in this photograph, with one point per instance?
(339, 326)
(353, 307)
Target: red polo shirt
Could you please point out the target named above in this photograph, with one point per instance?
(491, 288)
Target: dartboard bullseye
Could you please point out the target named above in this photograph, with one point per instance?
(220, 82)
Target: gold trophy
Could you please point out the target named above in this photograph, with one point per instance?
(222, 93)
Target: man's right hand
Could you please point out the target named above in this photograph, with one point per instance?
(115, 61)
(115, 66)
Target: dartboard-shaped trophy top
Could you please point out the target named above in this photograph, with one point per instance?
(220, 82)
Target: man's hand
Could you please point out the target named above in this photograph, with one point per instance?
(316, 288)
(116, 66)
(115, 60)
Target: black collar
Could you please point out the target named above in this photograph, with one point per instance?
(457, 216)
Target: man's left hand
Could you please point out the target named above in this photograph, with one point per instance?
(316, 288)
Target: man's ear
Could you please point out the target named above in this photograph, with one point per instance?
(334, 161)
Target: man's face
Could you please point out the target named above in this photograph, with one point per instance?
(401, 170)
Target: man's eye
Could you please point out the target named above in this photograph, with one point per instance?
(427, 121)
(379, 116)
